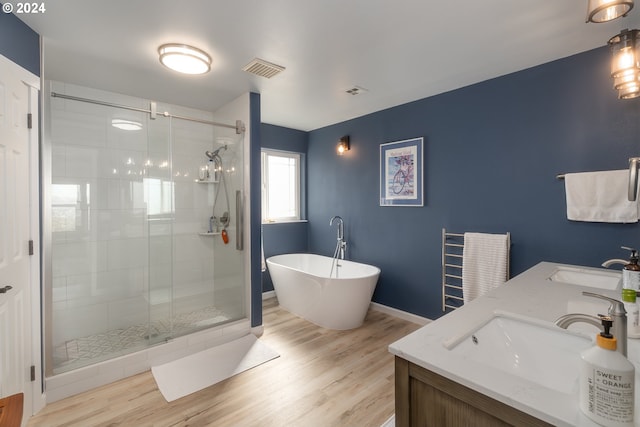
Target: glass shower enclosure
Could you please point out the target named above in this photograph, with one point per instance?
(142, 225)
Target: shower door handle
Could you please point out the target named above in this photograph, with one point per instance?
(633, 179)
(239, 221)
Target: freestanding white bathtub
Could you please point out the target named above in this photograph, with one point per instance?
(304, 288)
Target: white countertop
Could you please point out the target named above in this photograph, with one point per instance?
(529, 294)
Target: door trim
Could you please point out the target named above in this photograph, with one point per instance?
(33, 84)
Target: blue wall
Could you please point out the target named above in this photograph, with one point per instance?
(19, 43)
(281, 138)
(289, 237)
(492, 152)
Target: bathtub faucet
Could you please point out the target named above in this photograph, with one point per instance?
(342, 244)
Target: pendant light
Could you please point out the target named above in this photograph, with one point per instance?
(607, 10)
(625, 64)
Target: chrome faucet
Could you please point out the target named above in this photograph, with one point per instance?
(342, 244)
(617, 313)
(608, 263)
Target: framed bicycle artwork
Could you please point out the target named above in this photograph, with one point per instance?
(401, 173)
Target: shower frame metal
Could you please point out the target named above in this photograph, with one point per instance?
(152, 111)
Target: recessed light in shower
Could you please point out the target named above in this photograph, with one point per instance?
(184, 58)
(126, 124)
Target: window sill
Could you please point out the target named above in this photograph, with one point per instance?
(284, 221)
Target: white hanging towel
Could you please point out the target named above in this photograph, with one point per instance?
(599, 197)
(485, 260)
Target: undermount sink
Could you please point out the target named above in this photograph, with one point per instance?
(592, 278)
(535, 350)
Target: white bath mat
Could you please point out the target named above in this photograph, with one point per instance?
(391, 422)
(192, 373)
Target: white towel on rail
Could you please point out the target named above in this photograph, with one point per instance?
(484, 263)
(599, 197)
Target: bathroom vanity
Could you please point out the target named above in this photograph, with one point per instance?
(424, 398)
(500, 360)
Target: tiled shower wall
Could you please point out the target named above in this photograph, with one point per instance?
(126, 213)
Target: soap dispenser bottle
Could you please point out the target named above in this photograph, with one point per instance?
(631, 271)
(607, 382)
(633, 313)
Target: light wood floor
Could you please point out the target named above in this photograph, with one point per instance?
(322, 378)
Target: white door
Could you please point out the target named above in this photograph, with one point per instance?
(15, 262)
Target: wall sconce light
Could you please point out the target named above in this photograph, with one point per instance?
(184, 59)
(625, 64)
(343, 145)
(607, 10)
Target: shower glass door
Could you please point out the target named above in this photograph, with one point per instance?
(207, 269)
(159, 199)
(136, 233)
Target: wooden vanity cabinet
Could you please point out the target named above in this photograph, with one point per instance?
(426, 399)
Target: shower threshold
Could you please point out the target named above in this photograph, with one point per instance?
(84, 351)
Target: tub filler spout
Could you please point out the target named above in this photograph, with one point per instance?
(341, 244)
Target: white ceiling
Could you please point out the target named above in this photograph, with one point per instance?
(399, 50)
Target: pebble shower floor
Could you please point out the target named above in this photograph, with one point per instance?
(84, 351)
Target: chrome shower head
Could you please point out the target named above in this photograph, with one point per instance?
(213, 154)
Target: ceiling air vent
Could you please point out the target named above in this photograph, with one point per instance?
(262, 68)
(356, 90)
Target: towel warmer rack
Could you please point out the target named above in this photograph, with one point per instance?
(452, 247)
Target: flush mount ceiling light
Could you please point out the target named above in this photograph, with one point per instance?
(607, 10)
(343, 145)
(625, 64)
(126, 124)
(184, 59)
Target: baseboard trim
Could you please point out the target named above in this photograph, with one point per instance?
(414, 318)
(268, 294)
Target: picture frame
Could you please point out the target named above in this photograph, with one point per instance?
(401, 173)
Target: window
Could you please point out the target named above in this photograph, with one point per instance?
(70, 208)
(159, 196)
(280, 186)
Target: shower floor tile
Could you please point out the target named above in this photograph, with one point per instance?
(99, 347)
